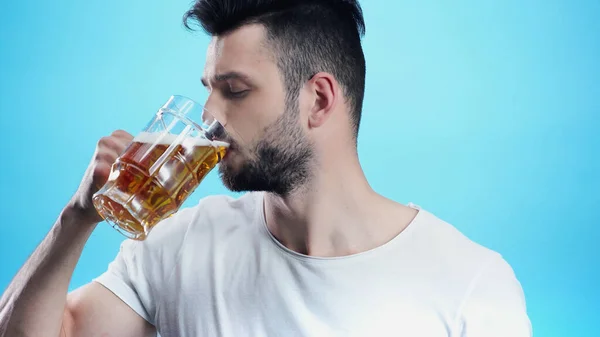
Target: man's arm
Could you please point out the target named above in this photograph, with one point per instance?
(36, 304)
(495, 306)
(93, 310)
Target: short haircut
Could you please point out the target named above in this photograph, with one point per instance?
(307, 36)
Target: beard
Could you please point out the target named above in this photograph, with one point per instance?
(280, 162)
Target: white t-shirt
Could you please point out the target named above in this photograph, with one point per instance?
(216, 270)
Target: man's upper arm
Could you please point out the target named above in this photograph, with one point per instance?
(495, 306)
(124, 300)
(93, 310)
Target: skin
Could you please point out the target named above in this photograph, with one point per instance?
(320, 206)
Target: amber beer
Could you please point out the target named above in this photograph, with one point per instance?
(153, 177)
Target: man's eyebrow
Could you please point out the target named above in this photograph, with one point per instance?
(231, 75)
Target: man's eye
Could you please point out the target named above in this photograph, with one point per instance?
(236, 94)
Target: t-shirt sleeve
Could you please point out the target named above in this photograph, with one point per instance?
(142, 268)
(495, 306)
(123, 279)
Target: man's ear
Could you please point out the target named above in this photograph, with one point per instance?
(326, 92)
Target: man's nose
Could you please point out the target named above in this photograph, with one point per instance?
(212, 111)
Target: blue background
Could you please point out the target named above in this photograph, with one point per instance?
(483, 112)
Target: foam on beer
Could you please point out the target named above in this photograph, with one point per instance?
(164, 138)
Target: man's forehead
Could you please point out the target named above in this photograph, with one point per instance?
(244, 47)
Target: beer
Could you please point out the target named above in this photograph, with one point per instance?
(153, 177)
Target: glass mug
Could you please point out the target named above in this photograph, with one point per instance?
(160, 168)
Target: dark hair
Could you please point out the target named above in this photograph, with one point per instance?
(308, 36)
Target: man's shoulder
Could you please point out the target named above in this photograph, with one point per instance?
(446, 244)
(211, 213)
(460, 266)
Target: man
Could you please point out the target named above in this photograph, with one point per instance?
(311, 250)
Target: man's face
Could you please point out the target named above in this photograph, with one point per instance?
(269, 150)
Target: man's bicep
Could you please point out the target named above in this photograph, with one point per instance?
(496, 307)
(93, 310)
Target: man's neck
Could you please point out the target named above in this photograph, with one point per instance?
(335, 214)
